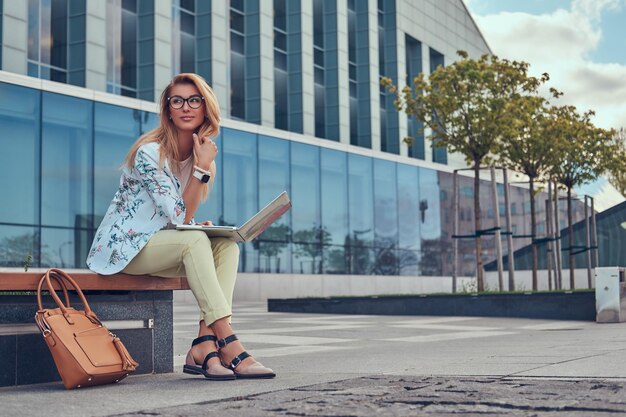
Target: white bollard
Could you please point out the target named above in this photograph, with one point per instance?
(610, 295)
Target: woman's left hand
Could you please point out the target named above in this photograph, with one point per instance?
(206, 223)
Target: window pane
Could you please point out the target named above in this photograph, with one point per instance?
(187, 23)
(361, 200)
(240, 187)
(116, 129)
(386, 215)
(280, 100)
(240, 176)
(66, 161)
(16, 243)
(187, 53)
(237, 22)
(273, 244)
(65, 248)
(335, 196)
(58, 34)
(19, 120)
(430, 222)
(305, 189)
(408, 207)
(129, 50)
(237, 83)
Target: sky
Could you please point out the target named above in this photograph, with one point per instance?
(581, 44)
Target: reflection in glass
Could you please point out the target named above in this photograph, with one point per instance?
(65, 248)
(334, 165)
(385, 204)
(307, 258)
(361, 200)
(67, 170)
(240, 187)
(305, 192)
(240, 176)
(115, 129)
(19, 122)
(273, 243)
(16, 244)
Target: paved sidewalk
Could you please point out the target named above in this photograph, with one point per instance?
(373, 365)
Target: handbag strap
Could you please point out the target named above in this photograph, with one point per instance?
(61, 275)
(61, 285)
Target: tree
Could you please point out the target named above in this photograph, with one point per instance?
(468, 106)
(531, 151)
(616, 169)
(271, 243)
(309, 244)
(583, 151)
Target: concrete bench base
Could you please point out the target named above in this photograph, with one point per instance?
(142, 319)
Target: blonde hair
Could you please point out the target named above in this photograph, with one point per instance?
(166, 135)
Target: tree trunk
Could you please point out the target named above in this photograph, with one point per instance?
(533, 232)
(477, 227)
(570, 237)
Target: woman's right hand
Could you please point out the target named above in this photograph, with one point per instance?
(205, 150)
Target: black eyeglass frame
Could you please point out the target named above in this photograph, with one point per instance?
(185, 100)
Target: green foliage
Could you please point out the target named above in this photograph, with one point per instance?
(28, 261)
(583, 150)
(616, 168)
(469, 104)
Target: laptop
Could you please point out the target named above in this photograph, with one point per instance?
(250, 229)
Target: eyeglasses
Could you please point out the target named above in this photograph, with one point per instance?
(177, 102)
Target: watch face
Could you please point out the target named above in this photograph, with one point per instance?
(205, 178)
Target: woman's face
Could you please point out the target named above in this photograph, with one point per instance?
(186, 107)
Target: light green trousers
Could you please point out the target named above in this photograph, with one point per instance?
(209, 265)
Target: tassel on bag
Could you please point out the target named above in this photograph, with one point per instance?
(128, 364)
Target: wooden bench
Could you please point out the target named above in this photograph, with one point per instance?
(136, 308)
(28, 281)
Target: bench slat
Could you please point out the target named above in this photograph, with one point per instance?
(28, 281)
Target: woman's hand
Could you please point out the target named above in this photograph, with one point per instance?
(206, 223)
(205, 150)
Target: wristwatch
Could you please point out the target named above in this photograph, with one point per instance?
(202, 176)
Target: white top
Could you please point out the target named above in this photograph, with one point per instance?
(184, 174)
(148, 199)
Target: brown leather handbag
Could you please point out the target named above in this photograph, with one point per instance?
(83, 349)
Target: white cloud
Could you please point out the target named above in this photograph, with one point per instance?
(559, 43)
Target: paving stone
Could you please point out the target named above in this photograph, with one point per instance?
(383, 396)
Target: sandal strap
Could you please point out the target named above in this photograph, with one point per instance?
(238, 359)
(206, 359)
(201, 339)
(228, 339)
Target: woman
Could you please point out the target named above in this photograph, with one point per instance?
(167, 172)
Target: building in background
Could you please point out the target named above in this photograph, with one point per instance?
(303, 111)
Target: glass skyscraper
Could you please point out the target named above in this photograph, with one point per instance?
(303, 111)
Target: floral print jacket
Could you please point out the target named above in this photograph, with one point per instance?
(148, 199)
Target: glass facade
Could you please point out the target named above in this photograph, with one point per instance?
(56, 40)
(191, 37)
(245, 61)
(359, 74)
(287, 66)
(1, 6)
(415, 129)
(440, 153)
(388, 67)
(130, 48)
(183, 36)
(325, 69)
(352, 214)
